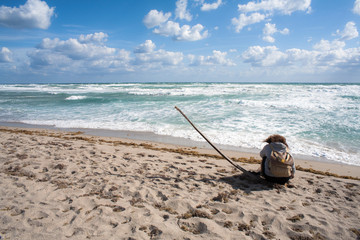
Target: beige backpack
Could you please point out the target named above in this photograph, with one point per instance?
(280, 163)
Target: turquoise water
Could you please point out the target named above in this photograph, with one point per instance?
(319, 120)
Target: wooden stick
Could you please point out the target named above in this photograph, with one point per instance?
(223, 155)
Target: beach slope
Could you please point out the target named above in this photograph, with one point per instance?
(61, 185)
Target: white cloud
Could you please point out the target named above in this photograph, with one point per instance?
(349, 32)
(325, 45)
(98, 37)
(218, 58)
(356, 8)
(261, 10)
(263, 56)
(270, 29)
(146, 55)
(211, 6)
(181, 12)
(168, 28)
(283, 6)
(268, 38)
(326, 56)
(40, 59)
(244, 20)
(33, 14)
(117, 62)
(5, 55)
(89, 54)
(75, 49)
(285, 31)
(78, 54)
(147, 47)
(155, 18)
(184, 33)
(193, 33)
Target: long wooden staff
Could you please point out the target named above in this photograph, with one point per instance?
(223, 155)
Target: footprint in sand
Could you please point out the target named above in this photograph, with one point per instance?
(152, 231)
(162, 196)
(195, 228)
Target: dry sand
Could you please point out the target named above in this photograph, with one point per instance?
(61, 185)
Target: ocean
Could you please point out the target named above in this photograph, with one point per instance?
(320, 121)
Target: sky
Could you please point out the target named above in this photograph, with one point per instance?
(82, 41)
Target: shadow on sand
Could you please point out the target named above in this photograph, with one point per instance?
(257, 183)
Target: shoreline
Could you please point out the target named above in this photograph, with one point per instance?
(153, 137)
(327, 167)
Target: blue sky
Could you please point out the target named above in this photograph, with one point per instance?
(183, 40)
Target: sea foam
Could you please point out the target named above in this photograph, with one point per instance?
(75, 98)
(319, 120)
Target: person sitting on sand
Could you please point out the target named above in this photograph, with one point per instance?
(277, 163)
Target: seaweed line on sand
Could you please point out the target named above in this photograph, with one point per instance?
(182, 151)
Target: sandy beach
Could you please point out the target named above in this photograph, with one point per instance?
(67, 185)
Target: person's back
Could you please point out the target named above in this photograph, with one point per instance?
(277, 163)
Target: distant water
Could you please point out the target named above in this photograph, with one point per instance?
(319, 120)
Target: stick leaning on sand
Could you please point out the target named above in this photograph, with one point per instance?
(223, 155)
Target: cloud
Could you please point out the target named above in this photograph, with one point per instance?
(98, 37)
(266, 8)
(356, 8)
(349, 32)
(40, 59)
(145, 54)
(283, 6)
(325, 45)
(5, 55)
(167, 28)
(119, 61)
(89, 54)
(218, 58)
(155, 18)
(147, 47)
(76, 49)
(264, 56)
(211, 6)
(181, 11)
(184, 33)
(326, 56)
(245, 20)
(33, 14)
(270, 29)
(79, 54)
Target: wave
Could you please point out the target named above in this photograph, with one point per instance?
(320, 120)
(75, 98)
(186, 89)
